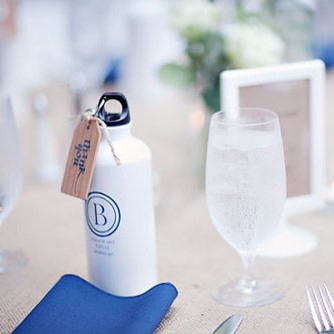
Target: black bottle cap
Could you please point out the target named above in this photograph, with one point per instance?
(112, 119)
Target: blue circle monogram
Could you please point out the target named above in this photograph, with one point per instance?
(102, 214)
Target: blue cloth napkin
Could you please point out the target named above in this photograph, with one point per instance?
(77, 307)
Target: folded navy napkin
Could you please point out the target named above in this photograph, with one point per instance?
(77, 307)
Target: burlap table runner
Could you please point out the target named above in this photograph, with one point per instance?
(48, 227)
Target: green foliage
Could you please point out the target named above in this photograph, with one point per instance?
(214, 44)
(177, 74)
(211, 95)
(206, 57)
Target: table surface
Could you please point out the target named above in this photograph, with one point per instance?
(49, 228)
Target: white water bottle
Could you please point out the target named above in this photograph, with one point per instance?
(119, 210)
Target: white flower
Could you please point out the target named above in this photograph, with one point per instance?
(194, 18)
(252, 44)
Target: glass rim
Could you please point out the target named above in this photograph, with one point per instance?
(232, 120)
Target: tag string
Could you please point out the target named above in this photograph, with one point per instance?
(90, 115)
(108, 139)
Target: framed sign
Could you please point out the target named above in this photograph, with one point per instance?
(296, 92)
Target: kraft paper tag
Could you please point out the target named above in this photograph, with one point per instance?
(81, 159)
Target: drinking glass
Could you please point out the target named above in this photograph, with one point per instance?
(246, 190)
(10, 177)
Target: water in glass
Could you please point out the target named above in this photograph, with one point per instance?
(246, 188)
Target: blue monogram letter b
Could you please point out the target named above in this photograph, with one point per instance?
(100, 218)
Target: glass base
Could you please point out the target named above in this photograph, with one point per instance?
(289, 241)
(11, 261)
(256, 293)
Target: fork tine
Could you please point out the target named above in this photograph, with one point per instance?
(328, 311)
(321, 310)
(328, 308)
(329, 297)
(313, 311)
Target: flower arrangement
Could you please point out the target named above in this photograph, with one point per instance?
(214, 43)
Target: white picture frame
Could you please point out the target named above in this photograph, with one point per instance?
(312, 72)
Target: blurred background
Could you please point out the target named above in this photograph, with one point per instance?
(57, 56)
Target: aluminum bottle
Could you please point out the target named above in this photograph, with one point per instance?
(119, 210)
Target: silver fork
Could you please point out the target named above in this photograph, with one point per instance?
(322, 308)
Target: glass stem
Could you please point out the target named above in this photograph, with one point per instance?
(248, 283)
